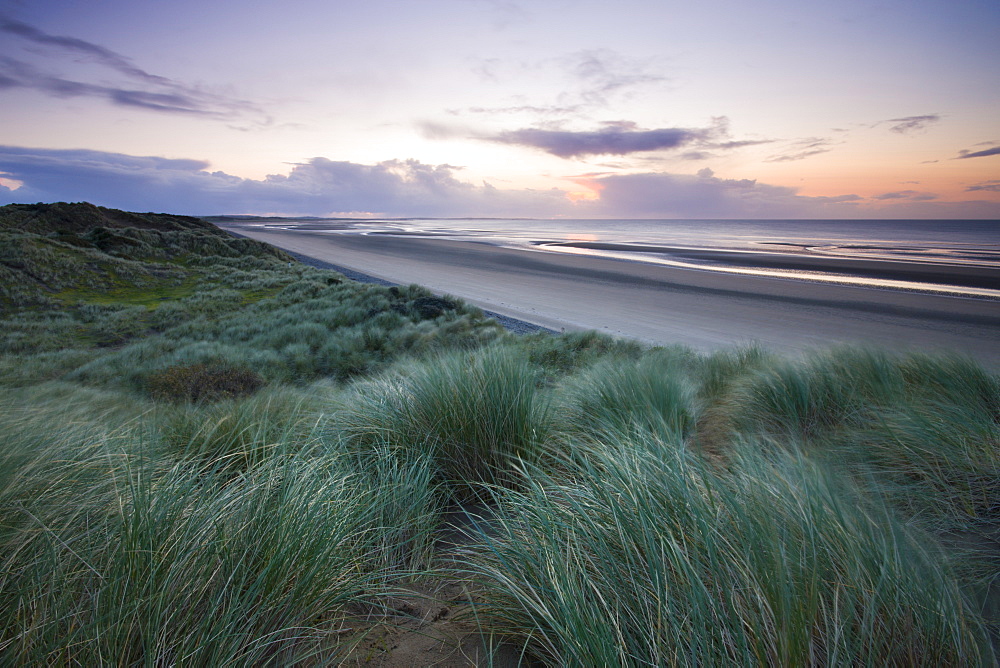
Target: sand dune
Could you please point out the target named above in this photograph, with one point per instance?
(660, 304)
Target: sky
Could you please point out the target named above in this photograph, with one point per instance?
(501, 108)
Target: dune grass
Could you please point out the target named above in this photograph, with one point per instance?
(849, 524)
(212, 456)
(653, 394)
(923, 431)
(641, 553)
(477, 415)
(117, 551)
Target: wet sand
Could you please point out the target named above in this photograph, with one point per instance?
(967, 275)
(662, 304)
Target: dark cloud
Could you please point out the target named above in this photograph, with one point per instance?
(985, 186)
(909, 124)
(80, 47)
(613, 140)
(979, 154)
(19, 74)
(907, 195)
(625, 138)
(136, 88)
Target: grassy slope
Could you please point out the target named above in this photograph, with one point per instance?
(213, 456)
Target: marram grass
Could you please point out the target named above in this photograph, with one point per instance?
(642, 506)
(477, 414)
(639, 553)
(116, 554)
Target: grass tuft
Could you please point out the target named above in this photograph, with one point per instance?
(478, 415)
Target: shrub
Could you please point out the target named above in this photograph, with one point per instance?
(566, 352)
(203, 382)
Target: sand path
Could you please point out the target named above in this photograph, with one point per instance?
(660, 304)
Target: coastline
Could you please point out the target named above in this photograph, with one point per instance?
(659, 304)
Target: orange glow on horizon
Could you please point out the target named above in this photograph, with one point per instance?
(582, 195)
(591, 189)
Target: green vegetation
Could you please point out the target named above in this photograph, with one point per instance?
(213, 455)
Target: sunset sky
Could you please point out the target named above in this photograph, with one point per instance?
(467, 108)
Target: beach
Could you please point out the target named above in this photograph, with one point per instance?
(663, 305)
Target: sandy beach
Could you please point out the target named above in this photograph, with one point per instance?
(661, 304)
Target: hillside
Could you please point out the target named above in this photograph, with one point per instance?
(51, 253)
(81, 217)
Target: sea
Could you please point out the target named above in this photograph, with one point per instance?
(939, 252)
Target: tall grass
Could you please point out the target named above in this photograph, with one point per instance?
(655, 394)
(923, 429)
(113, 553)
(642, 554)
(162, 505)
(239, 434)
(477, 414)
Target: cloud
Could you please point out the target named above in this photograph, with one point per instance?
(909, 124)
(612, 140)
(606, 73)
(802, 149)
(907, 195)
(537, 110)
(18, 74)
(136, 88)
(979, 154)
(402, 188)
(317, 187)
(506, 13)
(586, 80)
(80, 47)
(985, 186)
(704, 195)
(624, 138)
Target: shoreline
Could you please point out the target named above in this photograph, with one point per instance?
(660, 304)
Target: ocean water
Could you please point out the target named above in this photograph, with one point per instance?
(960, 256)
